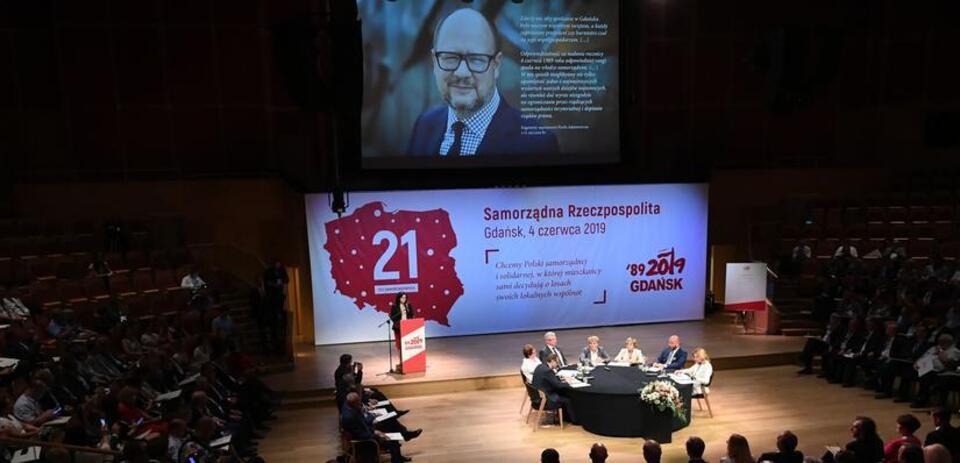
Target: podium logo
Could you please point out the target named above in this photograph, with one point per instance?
(375, 253)
(414, 343)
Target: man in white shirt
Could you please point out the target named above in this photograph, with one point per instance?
(193, 281)
(941, 357)
(550, 339)
(530, 362)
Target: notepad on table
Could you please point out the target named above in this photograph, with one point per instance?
(382, 403)
(385, 417)
(619, 364)
(579, 384)
(377, 411)
(394, 436)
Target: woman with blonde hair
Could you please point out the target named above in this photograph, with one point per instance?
(738, 450)
(701, 372)
(593, 354)
(630, 353)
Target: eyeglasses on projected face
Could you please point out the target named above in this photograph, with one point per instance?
(476, 62)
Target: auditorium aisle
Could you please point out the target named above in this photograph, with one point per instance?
(483, 426)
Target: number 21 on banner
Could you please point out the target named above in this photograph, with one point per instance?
(409, 239)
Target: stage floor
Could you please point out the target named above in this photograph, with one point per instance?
(484, 426)
(494, 355)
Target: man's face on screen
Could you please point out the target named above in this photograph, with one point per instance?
(466, 91)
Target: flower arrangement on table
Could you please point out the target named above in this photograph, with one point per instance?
(663, 396)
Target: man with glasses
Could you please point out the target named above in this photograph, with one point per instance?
(475, 120)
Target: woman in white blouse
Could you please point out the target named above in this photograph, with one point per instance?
(700, 372)
(530, 362)
(630, 353)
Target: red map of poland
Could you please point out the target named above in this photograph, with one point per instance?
(372, 241)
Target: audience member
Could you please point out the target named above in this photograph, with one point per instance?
(550, 347)
(830, 341)
(910, 453)
(738, 450)
(27, 408)
(550, 456)
(786, 450)
(598, 453)
(359, 427)
(941, 357)
(866, 444)
(594, 354)
(936, 453)
(673, 357)
(907, 425)
(943, 432)
(652, 451)
(695, 448)
(629, 353)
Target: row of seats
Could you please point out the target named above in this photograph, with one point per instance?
(56, 291)
(859, 214)
(922, 248)
(27, 227)
(872, 230)
(65, 244)
(75, 265)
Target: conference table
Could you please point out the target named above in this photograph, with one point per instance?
(611, 405)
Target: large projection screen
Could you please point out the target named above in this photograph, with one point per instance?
(499, 260)
(534, 83)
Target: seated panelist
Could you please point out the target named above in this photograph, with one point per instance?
(551, 347)
(630, 353)
(701, 372)
(673, 356)
(594, 354)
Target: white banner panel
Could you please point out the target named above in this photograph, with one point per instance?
(499, 260)
(746, 288)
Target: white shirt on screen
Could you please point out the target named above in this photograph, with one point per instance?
(474, 130)
(529, 364)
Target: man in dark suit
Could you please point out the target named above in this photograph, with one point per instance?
(553, 387)
(830, 340)
(852, 341)
(360, 427)
(786, 450)
(869, 350)
(475, 120)
(550, 341)
(944, 433)
(673, 356)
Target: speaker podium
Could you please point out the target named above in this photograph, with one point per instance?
(413, 346)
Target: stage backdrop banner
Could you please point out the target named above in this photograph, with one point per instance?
(746, 289)
(499, 260)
